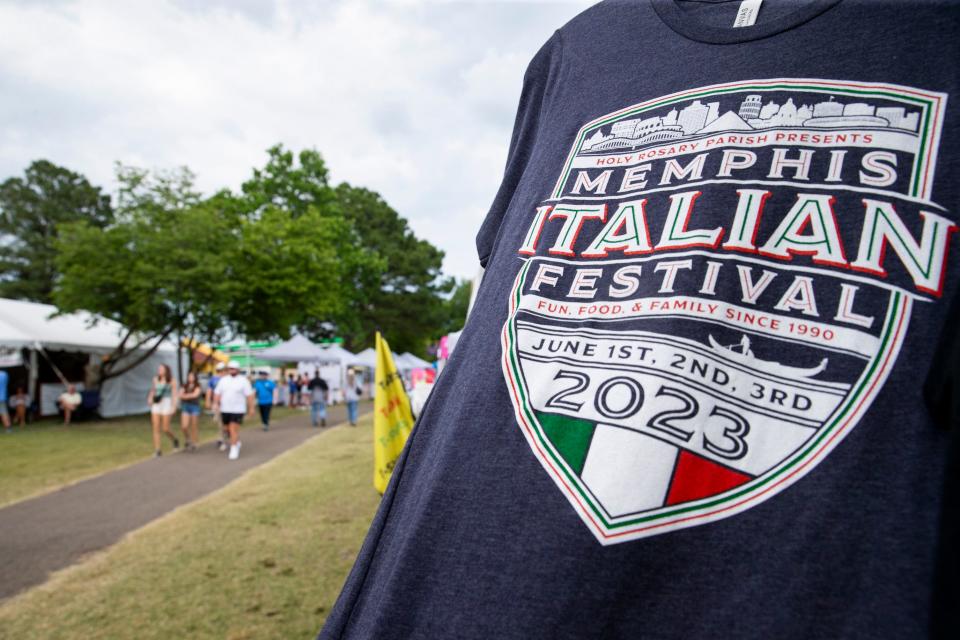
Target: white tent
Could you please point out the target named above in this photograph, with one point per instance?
(331, 360)
(335, 354)
(366, 358)
(33, 326)
(296, 349)
(414, 362)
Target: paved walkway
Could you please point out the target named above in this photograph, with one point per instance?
(52, 531)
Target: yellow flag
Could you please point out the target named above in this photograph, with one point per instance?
(392, 419)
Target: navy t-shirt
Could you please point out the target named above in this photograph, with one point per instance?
(718, 274)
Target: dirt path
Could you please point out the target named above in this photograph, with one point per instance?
(52, 531)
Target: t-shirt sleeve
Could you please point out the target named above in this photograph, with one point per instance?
(247, 388)
(536, 83)
(942, 387)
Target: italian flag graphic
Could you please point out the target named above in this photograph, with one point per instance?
(631, 471)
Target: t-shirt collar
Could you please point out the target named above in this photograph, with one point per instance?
(694, 29)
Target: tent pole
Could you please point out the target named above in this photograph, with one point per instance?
(34, 378)
(56, 370)
(180, 358)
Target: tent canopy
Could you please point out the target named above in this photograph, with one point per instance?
(403, 362)
(301, 349)
(32, 325)
(28, 324)
(415, 362)
(335, 354)
(366, 358)
(296, 349)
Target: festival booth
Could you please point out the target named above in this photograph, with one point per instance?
(413, 362)
(331, 360)
(366, 358)
(418, 375)
(333, 368)
(42, 351)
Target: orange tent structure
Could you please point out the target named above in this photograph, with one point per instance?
(205, 357)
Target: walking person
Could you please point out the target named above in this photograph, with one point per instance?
(190, 412)
(4, 412)
(233, 398)
(293, 390)
(265, 388)
(20, 401)
(304, 391)
(163, 404)
(319, 390)
(351, 394)
(218, 372)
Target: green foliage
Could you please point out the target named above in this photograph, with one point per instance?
(142, 191)
(394, 279)
(287, 253)
(406, 301)
(174, 266)
(455, 307)
(291, 187)
(31, 210)
(265, 557)
(158, 269)
(290, 270)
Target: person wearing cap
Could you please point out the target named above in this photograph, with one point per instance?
(232, 398)
(351, 395)
(319, 391)
(218, 372)
(265, 388)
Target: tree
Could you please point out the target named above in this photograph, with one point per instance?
(32, 209)
(407, 301)
(455, 307)
(174, 266)
(157, 269)
(289, 186)
(290, 271)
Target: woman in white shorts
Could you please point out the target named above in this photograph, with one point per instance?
(163, 404)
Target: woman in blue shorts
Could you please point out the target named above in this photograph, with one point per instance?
(190, 411)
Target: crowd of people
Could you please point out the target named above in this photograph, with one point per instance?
(230, 396)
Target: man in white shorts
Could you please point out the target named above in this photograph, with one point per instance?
(233, 398)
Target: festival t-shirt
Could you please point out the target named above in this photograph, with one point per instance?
(233, 392)
(689, 399)
(4, 382)
(264, 389)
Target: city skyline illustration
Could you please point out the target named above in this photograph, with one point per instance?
(752, 114)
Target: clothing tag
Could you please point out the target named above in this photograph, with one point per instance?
(747, 13)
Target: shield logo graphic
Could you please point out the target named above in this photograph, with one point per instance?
(671, 384)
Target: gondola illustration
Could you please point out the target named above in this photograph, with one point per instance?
(742, 354)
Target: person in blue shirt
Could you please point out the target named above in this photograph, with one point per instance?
(4, 412)
(264, 388)
(294, 388)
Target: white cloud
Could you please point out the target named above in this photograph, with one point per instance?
(413, 99)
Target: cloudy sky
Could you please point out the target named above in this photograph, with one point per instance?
(412, 98)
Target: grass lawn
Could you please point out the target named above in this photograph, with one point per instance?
(46, 455)
(264, 557)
